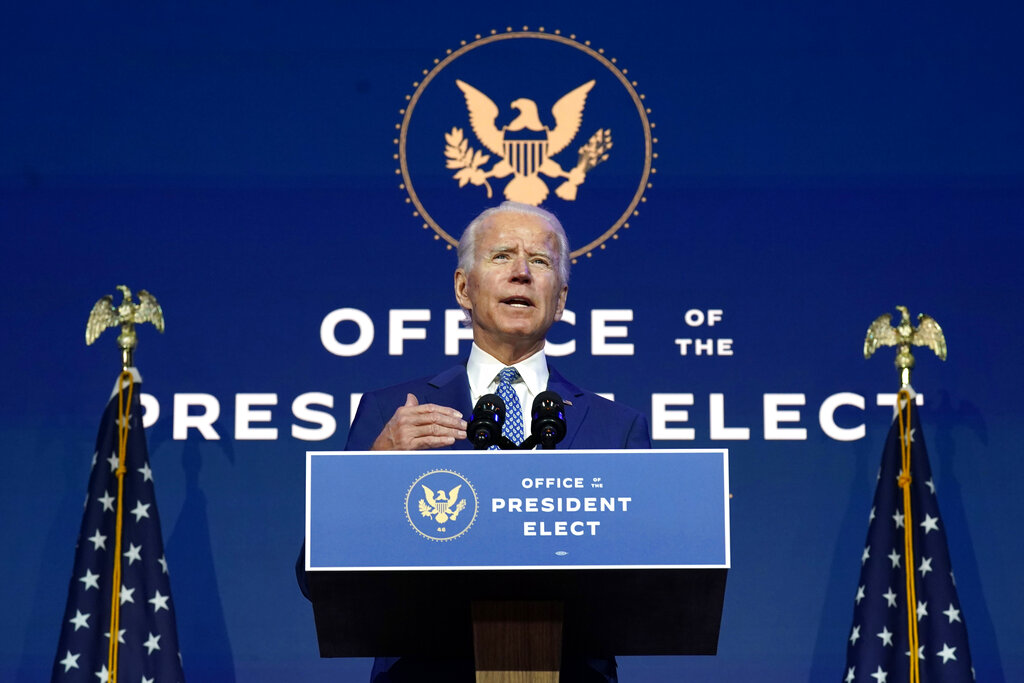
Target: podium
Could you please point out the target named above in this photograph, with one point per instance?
(513, 559)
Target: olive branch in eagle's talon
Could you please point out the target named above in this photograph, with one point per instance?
(468, 162)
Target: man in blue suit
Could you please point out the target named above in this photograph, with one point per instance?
(512, 280)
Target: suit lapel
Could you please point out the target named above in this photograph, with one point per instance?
(577, 404)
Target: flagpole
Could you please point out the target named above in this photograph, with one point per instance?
(123, 411)
(903, 399)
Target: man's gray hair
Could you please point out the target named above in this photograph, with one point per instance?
(467, 244)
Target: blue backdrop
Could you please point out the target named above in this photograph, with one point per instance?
(814, 165)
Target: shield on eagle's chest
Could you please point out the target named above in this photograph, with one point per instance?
(525, 155)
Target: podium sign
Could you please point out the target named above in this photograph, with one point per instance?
(517, 510)
(634, 544)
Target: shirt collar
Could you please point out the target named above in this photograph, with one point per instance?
(482, 369)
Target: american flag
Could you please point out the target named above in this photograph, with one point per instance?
(878, 649)
(147, 634)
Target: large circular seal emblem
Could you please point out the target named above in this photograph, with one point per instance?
(441, 505)
(531, 116)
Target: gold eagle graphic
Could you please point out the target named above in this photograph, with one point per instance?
(525, 146)
(441, 506)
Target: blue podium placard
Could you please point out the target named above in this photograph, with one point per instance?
(596, 509)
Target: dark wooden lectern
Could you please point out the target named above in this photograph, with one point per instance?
(520, 621)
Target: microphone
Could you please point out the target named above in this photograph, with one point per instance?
(548, 427)
(484, 427)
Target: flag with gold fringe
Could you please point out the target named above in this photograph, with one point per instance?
(120, 583)
(907, 622)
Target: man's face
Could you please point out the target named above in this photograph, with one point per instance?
(513, 290)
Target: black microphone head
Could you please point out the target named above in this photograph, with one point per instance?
(548, 418)
(491, 403)
(548, 400)
(484, 428)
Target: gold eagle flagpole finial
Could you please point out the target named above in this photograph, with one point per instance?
(105, 314)
(927, 333)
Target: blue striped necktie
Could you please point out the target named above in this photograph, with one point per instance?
(513, 427)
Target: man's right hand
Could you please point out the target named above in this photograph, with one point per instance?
(416, 427)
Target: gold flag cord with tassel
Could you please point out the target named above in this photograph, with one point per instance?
(123, 415)
(903, 402)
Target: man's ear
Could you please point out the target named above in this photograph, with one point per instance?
(462, 289)
(561, 302)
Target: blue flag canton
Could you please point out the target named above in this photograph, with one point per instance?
(878, 649)
(147, 636)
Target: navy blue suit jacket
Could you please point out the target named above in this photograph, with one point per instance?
(591, 422)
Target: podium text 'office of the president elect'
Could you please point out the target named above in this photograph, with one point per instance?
(616, 552)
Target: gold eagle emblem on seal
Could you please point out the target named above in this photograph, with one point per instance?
(441, 506)
(525, 147)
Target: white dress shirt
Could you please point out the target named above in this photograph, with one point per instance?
(483, 369)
